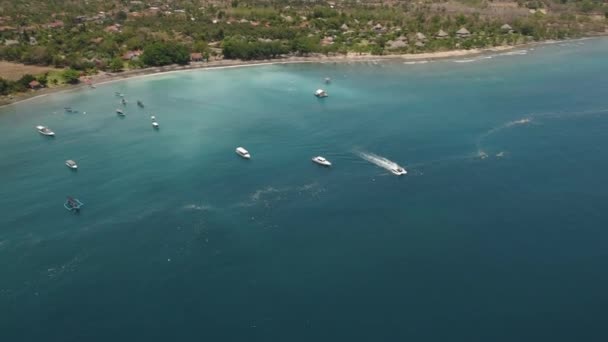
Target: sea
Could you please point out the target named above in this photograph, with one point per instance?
(498, 232)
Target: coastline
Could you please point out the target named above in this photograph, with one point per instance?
(106, 77)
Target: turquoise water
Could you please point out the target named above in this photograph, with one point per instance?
(497, 233)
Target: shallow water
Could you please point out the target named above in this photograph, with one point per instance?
(498, 232)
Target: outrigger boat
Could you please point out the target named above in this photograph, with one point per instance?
(73, 204)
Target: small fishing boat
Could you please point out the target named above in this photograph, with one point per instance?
(123, 101)
(140, 104)
(45, 131)
(71, 164)
(321, 161)
(120, 112)
(69, 109)
(327, 80)
(243, 152)
(73, 204)
(398, 171)
(154, 123)
(118, 94)
(321, 93)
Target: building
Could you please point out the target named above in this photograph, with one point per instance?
(463, 33)
(35, 85)
(132, 55)
(507, 28)
(196, 57)
(442, 34)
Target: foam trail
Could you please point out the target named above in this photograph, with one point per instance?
(481, 153)
(379, 161)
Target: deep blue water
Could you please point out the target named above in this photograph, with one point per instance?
(181, 240)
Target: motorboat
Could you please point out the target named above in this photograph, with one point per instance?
(321, 161)
(140, 104)
(71, 164)
(155, 124)
(70, 110)
(321, 93)
(243, 152)
(120, 112)
(398, 171)
(45, 131)
(73, 204)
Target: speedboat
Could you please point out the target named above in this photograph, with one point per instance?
(140, 104)
(71, 164)
(321, 93)
(243, 152)
(398, 171)
(120, 112)
(321, 161)
(45, 131)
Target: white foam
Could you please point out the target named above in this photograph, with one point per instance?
(379, 160)
(416, 62)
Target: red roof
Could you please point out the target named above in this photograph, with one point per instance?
(34, 84)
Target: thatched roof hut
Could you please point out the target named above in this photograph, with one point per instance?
(507, 28)
(419, 44)
(420, 36)
(463, 33)
(442, 34)
(396, 44)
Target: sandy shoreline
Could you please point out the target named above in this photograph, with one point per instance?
(104, 77)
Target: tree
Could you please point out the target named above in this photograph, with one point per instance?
(116, 64)
(5, 86)
(71, 76)
(159, 53)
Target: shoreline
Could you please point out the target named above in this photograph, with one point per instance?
(105, 77)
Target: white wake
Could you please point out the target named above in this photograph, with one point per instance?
(379, 161)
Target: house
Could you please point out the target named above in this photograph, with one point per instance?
(463, 33)
(398, 43)
(35, 85)
(55, 24)
(419, 44)
(132, 55)
(379, 29)
(196, 57)
(506, 28)
(33, 40)
(442, 34)
(327, 41)
(420, 37)
(113, 28)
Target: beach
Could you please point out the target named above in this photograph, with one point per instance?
(105, 77)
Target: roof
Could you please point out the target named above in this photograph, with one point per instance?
(442, 33)
(196, 55)
(506, 27)
(397, 44)
(34, 84)
(463, 31)
(420, 36)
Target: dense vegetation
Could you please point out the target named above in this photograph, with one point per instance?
(105, 35)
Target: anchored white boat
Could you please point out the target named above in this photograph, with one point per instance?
(321, 93)
(45, 131)
(71, 164)
(321, 161)
(398, 171)
(154, 123)
(243, 152)
(120, 112)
